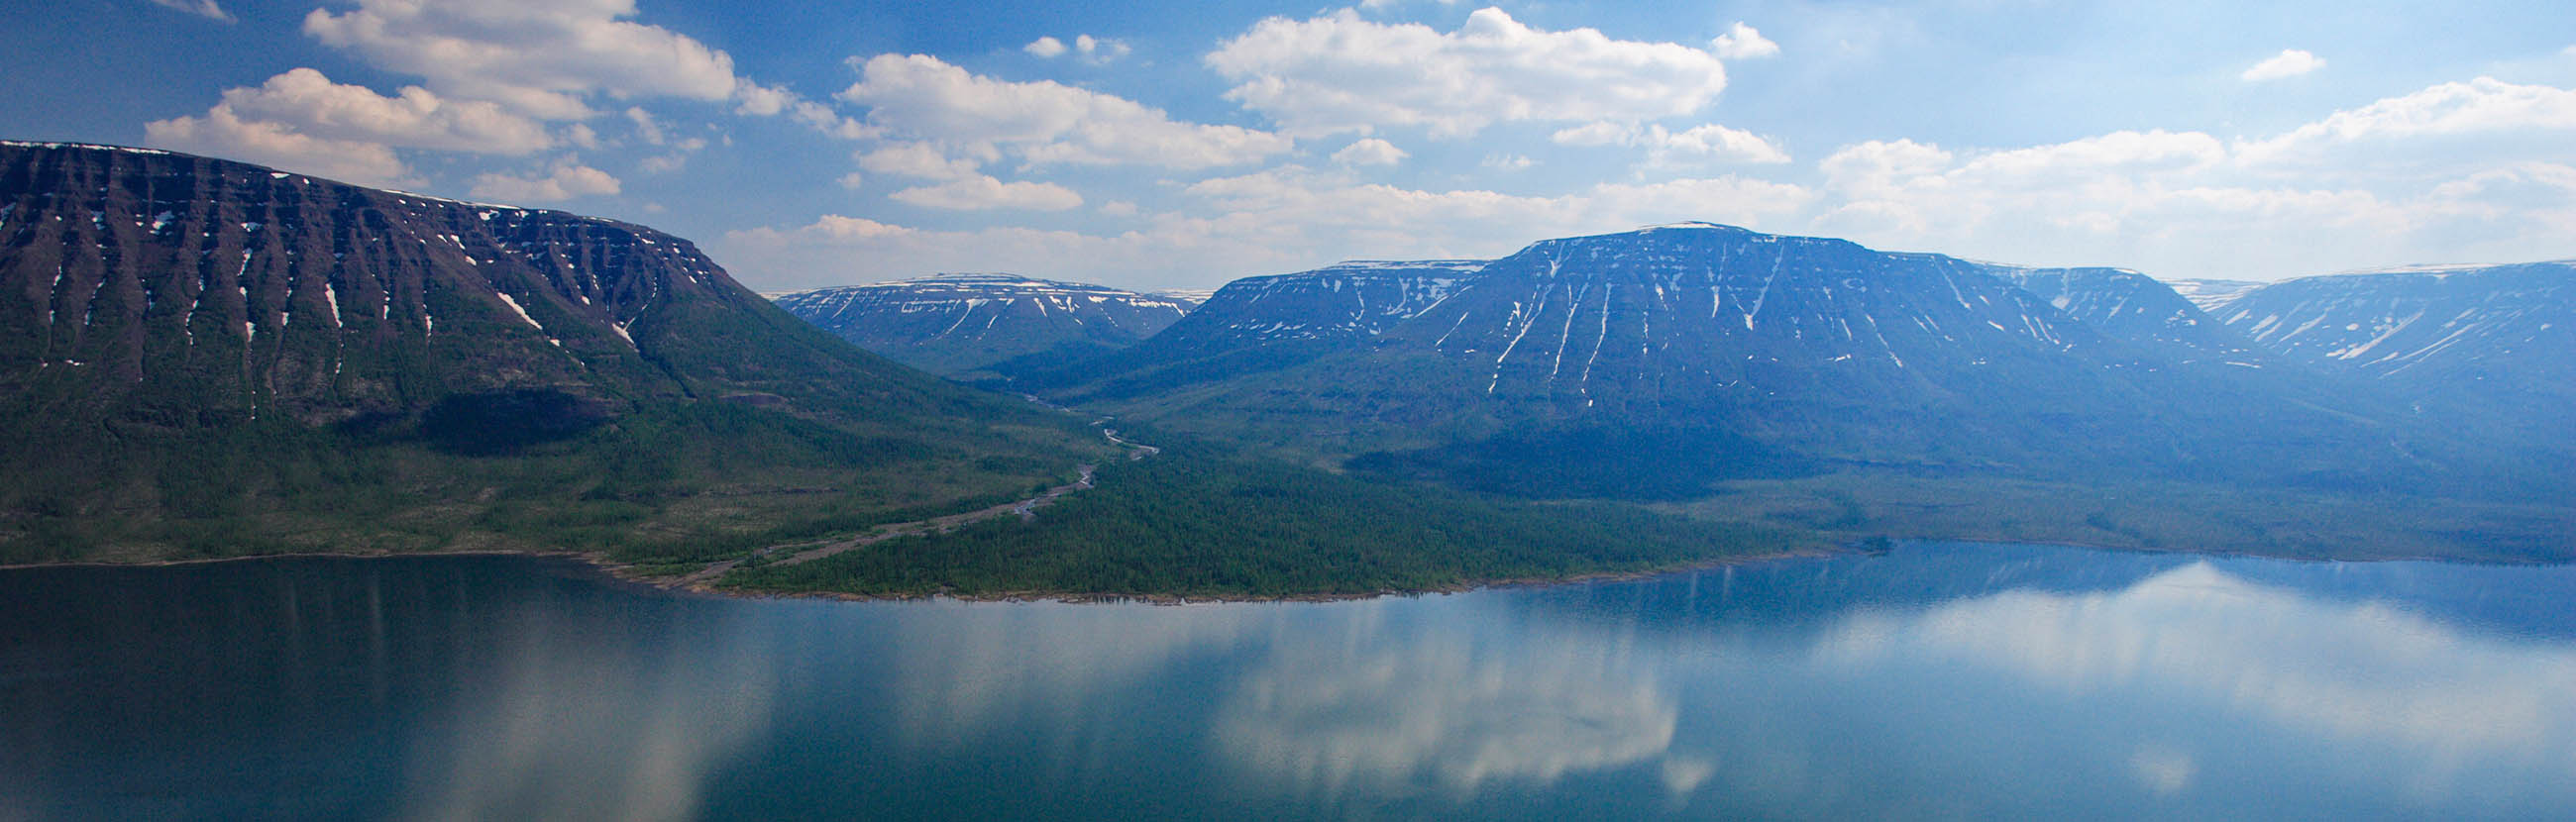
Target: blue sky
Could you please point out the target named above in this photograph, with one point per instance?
(1186, 144)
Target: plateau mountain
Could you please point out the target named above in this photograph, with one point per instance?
(1655, 361)
(958, 324)
(198, 353)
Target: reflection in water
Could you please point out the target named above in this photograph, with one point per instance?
(2364, 673)
(1940, 681)
(1445, 711)
(566, 726)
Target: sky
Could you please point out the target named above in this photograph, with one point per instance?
(1185, 144)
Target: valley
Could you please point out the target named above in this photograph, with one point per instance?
(470, 377)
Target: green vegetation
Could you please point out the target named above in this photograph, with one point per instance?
(2176, 516)
(672, 484)
(1198, 522)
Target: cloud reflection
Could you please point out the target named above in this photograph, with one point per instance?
(2360, 673)
(1445, 712)
(572, 722)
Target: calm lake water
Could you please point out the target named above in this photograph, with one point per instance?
(1943, 680)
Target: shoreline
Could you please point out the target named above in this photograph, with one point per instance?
(623, 573)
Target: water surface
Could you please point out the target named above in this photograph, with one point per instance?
(1941, 681)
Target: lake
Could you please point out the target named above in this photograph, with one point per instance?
(1942, 680)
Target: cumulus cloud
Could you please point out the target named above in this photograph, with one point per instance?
(917, 160)
(1042, 122)
(1705, 143)
(1341, 73)
(1369, 151)
(2480, 108)
(1099, 49)
(2403, 178)
(541, 59)
(1093, 50)
(982, 192)
(1743, 42)
(202, 8)
(223, 133)
(566, 179)
(1281, 219)
(2288, 63)
(305, 102)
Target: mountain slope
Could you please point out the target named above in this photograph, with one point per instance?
(2135, 309)
(2466, 345)
(1671, 356)
(958, 323)
(185, 336)
(1265, 323)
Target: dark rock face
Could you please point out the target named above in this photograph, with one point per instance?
(172, 290)
(958, 323)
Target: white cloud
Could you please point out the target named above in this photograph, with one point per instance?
(304, 102)
(1507, 162)
(1099, 49)
(1340, 73)
(917, 160)
(2468, 170)
(1093, 50)
(202, 8)
(853, 181)
(565, 180)
(1282, 219)
(647, 129)
(1370, 151)
(759, 100)
(1042, 122)
(2484, 107)
(981, 192)
(1704, 143)
(1743, 42)
(2288, 63)
(222, 133)
(541, 59)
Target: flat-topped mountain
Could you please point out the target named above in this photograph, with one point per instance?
(2134, 308)
(955, 324)
(182, 335)
(2465, 342)
(1268, 322)
(1700, 350)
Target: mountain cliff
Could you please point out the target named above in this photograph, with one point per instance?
(955, 324)
(188, 337)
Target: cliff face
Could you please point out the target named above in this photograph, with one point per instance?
(173, 290)
(201, 356)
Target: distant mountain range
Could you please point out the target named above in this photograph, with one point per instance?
(2466, 344)
(1658, 360)
(184, 338)
(1259, 324)
(959, 324)
(200, 357)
